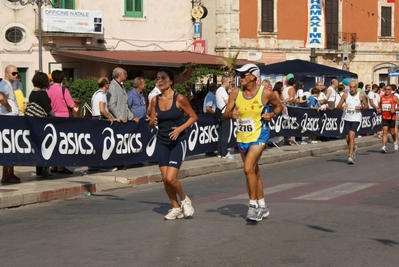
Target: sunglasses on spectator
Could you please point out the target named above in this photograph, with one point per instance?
(14, 73)
(243, 75)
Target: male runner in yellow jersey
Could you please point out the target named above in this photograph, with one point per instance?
(250, 107)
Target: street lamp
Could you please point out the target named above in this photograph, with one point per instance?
(39, 4)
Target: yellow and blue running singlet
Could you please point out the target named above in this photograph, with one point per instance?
(251, 128)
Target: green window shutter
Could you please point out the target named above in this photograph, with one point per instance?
(134, 8)
(67, 4)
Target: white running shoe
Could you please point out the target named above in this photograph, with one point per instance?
(395, 146)
(228, 156)
(350, 161)
(384, 149)
(175, 213)
(187, 207)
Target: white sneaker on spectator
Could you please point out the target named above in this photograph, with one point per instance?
(395, 146)
(228, 156)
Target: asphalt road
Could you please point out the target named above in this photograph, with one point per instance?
(323, 213)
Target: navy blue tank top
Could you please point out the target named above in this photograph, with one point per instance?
(167, 119)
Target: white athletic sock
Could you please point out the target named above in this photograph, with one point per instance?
(253, 202)
(261, 202)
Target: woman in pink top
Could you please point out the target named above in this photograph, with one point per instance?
(61, 102)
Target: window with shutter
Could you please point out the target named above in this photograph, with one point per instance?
(386, 21)
(134, 8)
(267, 16)
(67, 4)
(331, 11)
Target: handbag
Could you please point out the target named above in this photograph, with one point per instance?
(35, 110)
(218, 113)
(69, 109)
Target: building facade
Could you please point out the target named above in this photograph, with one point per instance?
(120, 25)
(363, 35)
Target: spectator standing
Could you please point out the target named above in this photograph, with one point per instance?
(360, 87)
(289, 90)
(154, 92)
(340, 93)
(196, 104)
(61, 102)
(117, 97)
(250, 107)
(352, 103)
(331, 93)
(323, 101)
(300, 95)
(367, 89)
(167, 112)
(267, 84)
(99, 103)
(381, 89)
(373, 97)
(19, 95)
(39, 96)
(8, 107)
(99, 106)
(388, 108)
(224, 125)
(210, 100)
(136, 99)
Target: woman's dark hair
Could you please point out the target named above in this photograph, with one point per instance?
(278, 86)
(291, 82)
(103, 82)
(169, 72)
(58, 76)
(40, 80)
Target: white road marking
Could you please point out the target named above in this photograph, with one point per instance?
(271, 190)
(335, 191)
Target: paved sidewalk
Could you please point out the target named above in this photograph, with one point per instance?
(35, 190)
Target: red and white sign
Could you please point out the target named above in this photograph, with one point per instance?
(200, 46)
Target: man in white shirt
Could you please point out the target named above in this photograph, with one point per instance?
(99, 103)
(373, 97)
(331, 93)
(9, 107)
(224, 125)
